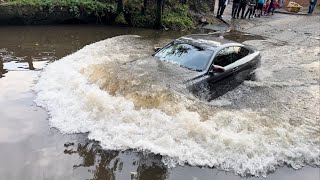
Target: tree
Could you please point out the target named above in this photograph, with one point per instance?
(160, 6)
(144, 8)
(120, 6)
(213, 3)
(145, 3)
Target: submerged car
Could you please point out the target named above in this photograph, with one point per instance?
(212, 59)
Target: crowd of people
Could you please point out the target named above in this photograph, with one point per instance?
(248, 8)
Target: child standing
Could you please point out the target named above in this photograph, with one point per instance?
(267, 7)
(272, 6)
(259, 8)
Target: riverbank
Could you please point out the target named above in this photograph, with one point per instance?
(32, 12)
(176, 16)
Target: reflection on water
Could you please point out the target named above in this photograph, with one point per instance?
(2, 70)
(93, 157)
(22, 46)
(108, 164)
(11, 61)
(239, 36)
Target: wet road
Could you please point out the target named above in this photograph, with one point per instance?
(30, 149)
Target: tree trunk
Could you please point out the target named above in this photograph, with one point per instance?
(213, 3)
(163, 1)
(160, 5)
(120, 6)
(145, 3)
(144, 8)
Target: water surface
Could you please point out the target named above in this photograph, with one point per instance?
(33, 150)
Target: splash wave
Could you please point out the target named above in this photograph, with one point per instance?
(243, 140)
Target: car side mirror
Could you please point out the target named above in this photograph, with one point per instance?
(155, 49)
(216, 69)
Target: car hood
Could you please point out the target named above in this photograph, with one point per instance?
(149, 76)
(164, 72)
(148, 82)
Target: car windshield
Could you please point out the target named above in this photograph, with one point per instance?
(186, 55)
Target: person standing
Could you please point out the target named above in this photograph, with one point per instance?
(235, 7)
(222, 6)
(267, 7)
(259, 8)
(280, 3)
(242, 8)
(313, 4)
(251, 5)
(254, 9)
(271, 6)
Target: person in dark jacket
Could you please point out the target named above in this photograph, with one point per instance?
(313, 4)
(251, 5)
(242, 8)
(235, 7)
(222, 6)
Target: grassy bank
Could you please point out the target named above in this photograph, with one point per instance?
(76, 6)
(176, 14)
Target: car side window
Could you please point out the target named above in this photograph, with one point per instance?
(240, 52)
(224, 57)
(230, 55)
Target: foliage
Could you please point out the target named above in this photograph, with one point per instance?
(178, 18)
(176, 13)
(120, 19)
(140, 20)
(200, 5)
(137, 15)
(77, 7)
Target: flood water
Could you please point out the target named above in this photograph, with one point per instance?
(31, 149)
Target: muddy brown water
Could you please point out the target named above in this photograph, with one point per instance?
(30, 149)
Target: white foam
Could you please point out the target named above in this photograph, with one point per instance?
(243, 140)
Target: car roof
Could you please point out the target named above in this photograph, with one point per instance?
(205, 40)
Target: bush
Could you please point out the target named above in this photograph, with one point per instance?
(120, 19)
(178, 18)
(96, 8)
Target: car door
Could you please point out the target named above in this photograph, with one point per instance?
(223, 58)
(242, 62)
(239, 59)
(221, 82)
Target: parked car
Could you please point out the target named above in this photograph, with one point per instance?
(209, 60)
